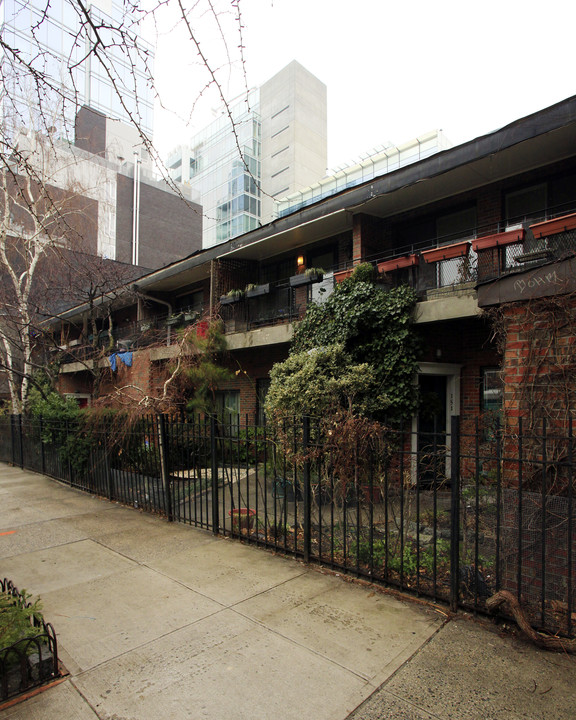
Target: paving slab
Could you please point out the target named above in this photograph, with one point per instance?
(37, 535)
(109, 616)
(222, 667)
(469, 672)
(62, 702)
(156, 620)
(110, 519)
(63, 566)
(369, 633)
(150, 543)
(227, 570)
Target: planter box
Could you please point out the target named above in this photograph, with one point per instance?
(553, 227)
(305, 279)
(398, 263)
(510, 237)
(446, 252)
(258, 290)
(230, 299)
(174, 320)
(343, 275)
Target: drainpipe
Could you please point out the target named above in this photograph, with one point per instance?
(136, 211)
(212, 263)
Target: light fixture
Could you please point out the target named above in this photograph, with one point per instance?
(300, 261)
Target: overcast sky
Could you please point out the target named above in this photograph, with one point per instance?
(393, 70)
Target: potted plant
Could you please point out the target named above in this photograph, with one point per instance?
(242, 518)
(309, 276)
(342, 275)
(253, 291)
(553, 227)
(174, 319)
(232, 296)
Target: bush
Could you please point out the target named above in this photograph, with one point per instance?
(17, 618)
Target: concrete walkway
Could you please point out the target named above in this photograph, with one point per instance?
(157, 621)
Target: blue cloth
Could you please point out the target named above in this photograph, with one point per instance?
(125, 357)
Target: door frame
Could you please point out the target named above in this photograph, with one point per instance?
(452, 373)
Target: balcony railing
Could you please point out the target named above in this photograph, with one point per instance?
(426, 267)
(280, 304)
(534, 245)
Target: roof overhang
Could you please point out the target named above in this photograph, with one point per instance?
(541, 139)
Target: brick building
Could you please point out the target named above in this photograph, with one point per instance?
(484, 226)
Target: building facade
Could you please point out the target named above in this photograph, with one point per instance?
(116, 209)
(56, 39)
(485, 228)
(274, 143)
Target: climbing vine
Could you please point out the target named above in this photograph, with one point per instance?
(357, 350)
(537, 340)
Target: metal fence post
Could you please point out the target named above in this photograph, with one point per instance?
(107, 463)
(42, 457)
(21, 440)
(214, 478)
(455, 513)
(163, 447)
(12, 440)
(307, 490)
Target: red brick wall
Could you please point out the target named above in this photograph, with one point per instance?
(539, 364)
(250, 366)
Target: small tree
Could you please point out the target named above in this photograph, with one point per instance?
(206, 373)
(360, 325)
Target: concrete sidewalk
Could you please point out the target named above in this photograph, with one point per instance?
(160, 621)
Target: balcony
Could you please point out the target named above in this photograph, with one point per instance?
(431, 269)
(280, 304)
(527, 247)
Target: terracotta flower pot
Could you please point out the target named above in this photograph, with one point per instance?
(242, 518)
(446, 252)
(343, 275)
(553, 227)
(398, 263)
(509, 237)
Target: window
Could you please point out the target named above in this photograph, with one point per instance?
(450, 229)
(528, 204)
(492, 390)
(523, 207)
(491, 402)
(228, 406)
(191, 301)
(262, 387)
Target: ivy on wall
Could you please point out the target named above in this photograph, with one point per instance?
(357, 350)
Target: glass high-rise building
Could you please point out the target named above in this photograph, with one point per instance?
(275, 144)
(54, 39)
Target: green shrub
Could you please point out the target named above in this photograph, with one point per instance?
(16, 620)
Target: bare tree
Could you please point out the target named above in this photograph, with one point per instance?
(46, 216)
(36, 218)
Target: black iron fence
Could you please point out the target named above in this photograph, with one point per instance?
(31, 660)
(454, 514)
